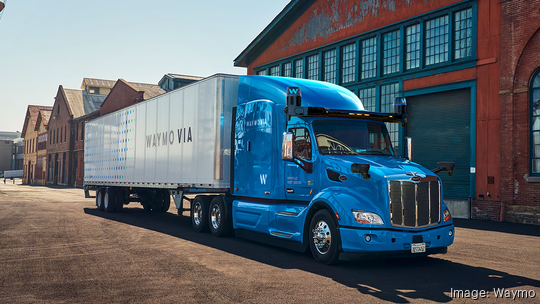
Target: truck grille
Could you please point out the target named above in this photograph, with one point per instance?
(415, 204)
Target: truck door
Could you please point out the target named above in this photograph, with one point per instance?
(298, 180)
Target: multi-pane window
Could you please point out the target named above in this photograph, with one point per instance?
(412, 54)
(391, 54)
(299, 68)
(367, 96)
(349, 63)
(535, 124)
(330, 66)
(262, 72)
(388, 92)
(463, 34)
(274, 71)
(437, 40)
(287, 69)
(313, 67)
(369, 58)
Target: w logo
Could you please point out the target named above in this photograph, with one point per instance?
(263, 178)
(293, 91)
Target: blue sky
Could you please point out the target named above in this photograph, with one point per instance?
(44, 44)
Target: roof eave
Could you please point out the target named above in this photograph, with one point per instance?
(281, 22)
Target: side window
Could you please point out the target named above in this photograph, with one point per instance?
(302, 143)
(535, 124)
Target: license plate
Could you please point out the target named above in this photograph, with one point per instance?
(418, 248)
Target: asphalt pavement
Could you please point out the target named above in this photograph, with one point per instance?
(55, 247)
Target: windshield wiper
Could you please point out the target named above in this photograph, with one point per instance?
(372, 152)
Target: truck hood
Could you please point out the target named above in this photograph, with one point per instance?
(386, 165)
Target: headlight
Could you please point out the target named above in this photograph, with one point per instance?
(447, 215)
(364, 217)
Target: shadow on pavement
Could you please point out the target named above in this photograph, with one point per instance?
(506, 227)
(395, 280)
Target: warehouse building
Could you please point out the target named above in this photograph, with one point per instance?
(470, 78)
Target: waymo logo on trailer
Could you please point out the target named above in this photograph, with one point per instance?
(168, 138)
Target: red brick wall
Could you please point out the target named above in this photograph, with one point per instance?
(326, 22)
(122, 95)
(520, 58)
(57, 122)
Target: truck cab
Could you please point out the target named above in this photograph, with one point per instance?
(313, 169)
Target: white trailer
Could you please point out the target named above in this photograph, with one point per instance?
(179, 139)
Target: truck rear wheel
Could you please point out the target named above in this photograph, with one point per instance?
(109, 200)
(199, 207)
(166, 200)
(99, 199)
(324, 238)
(120, 199)
(220, 223)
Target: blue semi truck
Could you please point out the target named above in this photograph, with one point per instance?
(285, 161)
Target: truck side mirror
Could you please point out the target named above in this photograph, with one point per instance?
(409, 148)
(444, 166)
(287, 146)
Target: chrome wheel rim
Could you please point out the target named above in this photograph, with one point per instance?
(215, 215)
(98, 201)
(197, 213)
(106, 200)
(322, 237)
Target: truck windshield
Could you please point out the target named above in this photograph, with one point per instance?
(352, 137)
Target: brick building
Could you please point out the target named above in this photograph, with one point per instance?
(467, 69)
(33, 129)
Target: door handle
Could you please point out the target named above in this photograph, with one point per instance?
(289, 190)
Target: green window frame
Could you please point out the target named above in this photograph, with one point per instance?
(391, 53)
(287, 69)
(330, 66)
(299, 68)
(261, 72)
(313, 67)
(274, 71)
(369, 98)
(535, 125)
(348, 70)
(463, 24)
(388, 92)
(369, 58)
(412, 52)
(437, 40)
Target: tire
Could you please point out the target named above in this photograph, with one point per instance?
(324, 238)
(219, 221)
(166, 200)
(109, 200)
(199, 206)
(120, 199)
(99, 199)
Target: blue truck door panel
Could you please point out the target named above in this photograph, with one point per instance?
(255, 149)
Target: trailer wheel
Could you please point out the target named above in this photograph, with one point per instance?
(99, 199)
(220, 223)
(109, 200)
(199, 207)
(120, 199)
(166, 200)
(323, 238)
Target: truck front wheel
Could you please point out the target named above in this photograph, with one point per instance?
(199, 218)
(324, 238)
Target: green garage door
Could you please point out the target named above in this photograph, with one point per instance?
(440, 126)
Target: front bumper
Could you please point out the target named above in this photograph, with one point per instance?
(393, 240)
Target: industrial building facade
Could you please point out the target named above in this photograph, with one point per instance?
(446, 57)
